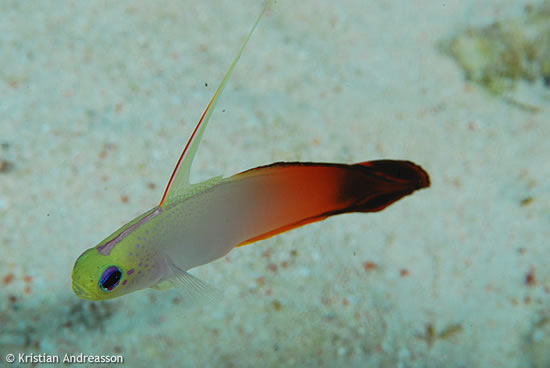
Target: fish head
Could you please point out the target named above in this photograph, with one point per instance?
(99, 277)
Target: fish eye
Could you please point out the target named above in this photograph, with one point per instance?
(110, 278)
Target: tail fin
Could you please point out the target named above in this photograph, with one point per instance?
(377, 184)
(285, 195)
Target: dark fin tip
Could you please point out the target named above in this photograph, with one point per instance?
(377, 184)
(400, 171)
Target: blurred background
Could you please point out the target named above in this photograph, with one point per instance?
(99, 98)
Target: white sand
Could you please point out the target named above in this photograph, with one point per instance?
(98, 99)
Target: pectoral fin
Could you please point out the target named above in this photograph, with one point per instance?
(192, 289)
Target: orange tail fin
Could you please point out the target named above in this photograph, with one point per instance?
(301, 193)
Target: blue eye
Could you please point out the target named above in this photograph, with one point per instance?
(110, 278)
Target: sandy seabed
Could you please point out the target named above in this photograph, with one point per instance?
(98, 99)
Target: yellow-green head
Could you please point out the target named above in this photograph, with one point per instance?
(99, 277)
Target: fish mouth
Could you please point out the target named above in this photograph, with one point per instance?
(79, 291)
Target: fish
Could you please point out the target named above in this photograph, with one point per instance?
(195, 224)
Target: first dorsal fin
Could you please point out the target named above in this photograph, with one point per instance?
(180, 177)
